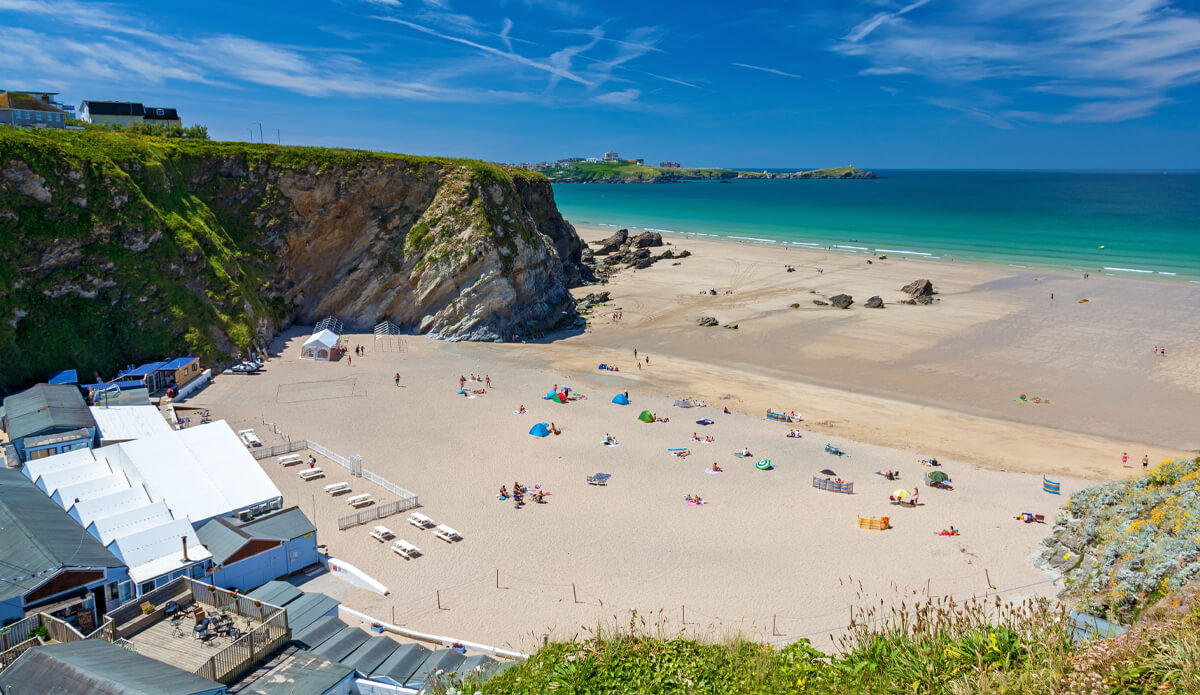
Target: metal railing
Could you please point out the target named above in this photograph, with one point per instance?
(231, 662)
(374, 512)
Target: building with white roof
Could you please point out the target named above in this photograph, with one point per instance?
(129, 521)
(164, 551)
(141, 497)
(122, 423)
(87, 511)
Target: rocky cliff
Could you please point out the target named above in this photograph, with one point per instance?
(116, 248)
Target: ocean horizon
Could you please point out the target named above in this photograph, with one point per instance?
(1134, 224)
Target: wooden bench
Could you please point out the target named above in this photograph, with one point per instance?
(360, 500)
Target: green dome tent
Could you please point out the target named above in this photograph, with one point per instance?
(646, 416)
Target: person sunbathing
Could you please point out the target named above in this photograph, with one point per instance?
(726, 410)
(715, 468)
(683, 454)
(503, 492)
(540, 497)
(709, 439)
(951, 532)
(554, 430)
(695, 437)
(521, 410)
(689, 499)
(746, 452)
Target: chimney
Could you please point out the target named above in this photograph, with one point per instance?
(185, 557)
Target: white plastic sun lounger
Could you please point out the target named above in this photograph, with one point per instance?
(311, 474)
(405, 549)
(249, 438)
(289, 459)
(360, 500)
(381, 533)
(420, 520)
(337, 488)
(446, 533)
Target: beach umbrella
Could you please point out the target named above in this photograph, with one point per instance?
(704, 421)
(646, 416)
(620, 399)
(764, 465)
(540, 430)
(900, 494)
(936, 477)
(461, 392)
(559, 398)
(826, 471)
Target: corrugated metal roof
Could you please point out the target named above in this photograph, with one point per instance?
(220, 539)
(342, 644)
(441, 660)
(57, 438)
(285, 525)
(302, 673)
(148, 368)
(276, 593)
(45, 407)
(307, 609)
(98, 668)
(36, 536)
(315, 634)
(401, 665)
(371, 654)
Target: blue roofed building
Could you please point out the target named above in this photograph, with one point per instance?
(249, 551)
(96, 667)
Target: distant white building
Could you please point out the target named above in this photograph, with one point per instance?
(611, 157)
(593, 160)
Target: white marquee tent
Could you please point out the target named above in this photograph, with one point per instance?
(320, 346)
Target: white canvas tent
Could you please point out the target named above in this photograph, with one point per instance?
(320, 346)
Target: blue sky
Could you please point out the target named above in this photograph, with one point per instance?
(1061, 84)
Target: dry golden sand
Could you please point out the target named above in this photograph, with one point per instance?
(767, 548)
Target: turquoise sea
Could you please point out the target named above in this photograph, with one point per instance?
(1130, 224)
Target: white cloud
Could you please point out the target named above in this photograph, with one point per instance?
(773, 71)
(625, 97)
(1118, 58)
(885, 71)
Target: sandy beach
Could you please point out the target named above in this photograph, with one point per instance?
(767, 555)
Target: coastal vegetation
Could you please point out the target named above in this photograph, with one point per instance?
(117, 247)
(632, 172)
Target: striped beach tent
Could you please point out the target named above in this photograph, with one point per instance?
(1051, 487)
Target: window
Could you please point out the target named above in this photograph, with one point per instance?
(41, 453)
(39, 115)
(145, 587)
(158, 112)
(111, 591)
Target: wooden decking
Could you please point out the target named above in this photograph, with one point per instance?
(180, 647)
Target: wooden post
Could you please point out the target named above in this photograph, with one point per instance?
(989, 578)
(774, 631)
(927, 581)
(497, 578)
(393, 614)
(684, 609)
(439, 599)
(574, 595)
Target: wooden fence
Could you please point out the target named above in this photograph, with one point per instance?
(231, 662)
(374, 512)
(18, 632)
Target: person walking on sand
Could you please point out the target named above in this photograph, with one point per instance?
(1145, 462)
(647, 359)
(635, 353)
(397, 377)
(487, 379)
(1125, 458)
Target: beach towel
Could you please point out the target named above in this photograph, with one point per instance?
(517, 412)
(741, 455)
(695, 504)
(712, 472)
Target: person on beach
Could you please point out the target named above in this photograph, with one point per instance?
(521, 410)
(715, 468)
(462, 381)
(635, 353)
(1124, 458)
(647, 359)
(746, 452)
(487, 379)
(503, 492)
(1145, 462)
(312, 461)
(397, 378)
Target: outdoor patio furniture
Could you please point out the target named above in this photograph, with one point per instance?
(446, 533)
(312, 474)
(420, 520)
(337, 488)
(405, 549)
(360, 500)
(289, 459)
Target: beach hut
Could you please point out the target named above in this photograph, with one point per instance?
(620, 399)
(540, 430)
(646, 416)
(320, 346)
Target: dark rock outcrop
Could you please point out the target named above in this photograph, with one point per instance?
(646, 240)
(818, 302)
(841, 301)
(875, 302)
(918, 288)
(707, 321)
(613, 243)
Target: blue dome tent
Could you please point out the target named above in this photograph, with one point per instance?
(540, 430)
(620, 399)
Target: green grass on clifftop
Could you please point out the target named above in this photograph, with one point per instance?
(149, 246)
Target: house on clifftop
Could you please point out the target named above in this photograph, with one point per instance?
(46, 420)
(31, 110)
(126, 112)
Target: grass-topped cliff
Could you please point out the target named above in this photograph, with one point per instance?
(118, 247)
(631, 172)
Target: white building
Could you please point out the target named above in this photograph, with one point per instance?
(122, 423)
(142, 498)
(611, 157)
